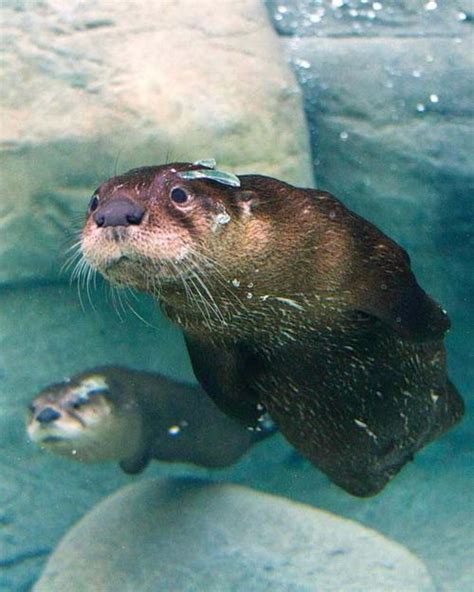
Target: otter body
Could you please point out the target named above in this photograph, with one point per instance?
(290, 304)
(115, 414)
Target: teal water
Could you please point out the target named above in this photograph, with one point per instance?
(388, 101)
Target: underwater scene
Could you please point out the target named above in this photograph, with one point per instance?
(236, 296)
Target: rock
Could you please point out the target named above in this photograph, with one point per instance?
(192, 536)
(389, 18)
(390, 117)
(94, 88)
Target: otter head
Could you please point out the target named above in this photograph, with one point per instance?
(80, 420)
(154, 227)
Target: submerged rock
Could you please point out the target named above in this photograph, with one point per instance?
(191, 536)
(91, 89)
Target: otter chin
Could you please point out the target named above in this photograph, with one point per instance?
(290, 303)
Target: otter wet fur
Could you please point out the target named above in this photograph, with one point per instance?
(130, 416)
(290, 304)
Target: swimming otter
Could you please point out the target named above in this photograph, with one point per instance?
(289, 303)
(115, 414)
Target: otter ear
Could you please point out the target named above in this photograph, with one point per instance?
(135, 464)
(247, 200)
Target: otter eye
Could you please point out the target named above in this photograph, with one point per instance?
(179, 195)
(77, 404)
(94, 203)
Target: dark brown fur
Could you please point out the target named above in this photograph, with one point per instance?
(308, 311)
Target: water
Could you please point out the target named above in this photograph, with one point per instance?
(387, 91)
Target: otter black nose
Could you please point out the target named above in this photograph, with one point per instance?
(119, 212)
(47, 415)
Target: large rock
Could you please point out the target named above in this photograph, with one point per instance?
(92, 88)
(387, 18)
(389, 99)
(193, 536)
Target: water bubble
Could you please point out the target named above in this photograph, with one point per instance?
(174, 430)
(377, 6)
(302, 63)
(343, 136)
(431, 5)
(332, 214)
(74, 452)
(337, 3)
(461, 16)
(420, 107)
(282, 9)
(434, 98)
(416, 73)
(235, 283)
(250, 285)
(222, 218)
(249, 295)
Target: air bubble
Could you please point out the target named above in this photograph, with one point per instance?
(174, 430)
(222, 218)
(431, 5)
(434, 98)
(420, 107)
(302, 63)
(235, 283)
(343, 136)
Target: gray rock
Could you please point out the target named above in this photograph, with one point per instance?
(193, 536)
(90, 89)
(391, 129)
(390, 18)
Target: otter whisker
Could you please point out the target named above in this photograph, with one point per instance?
(136, 313)
(90, 278)
(218, 276)
(213, 306)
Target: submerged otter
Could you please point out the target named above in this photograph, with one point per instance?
(115, 414)
(290, 304)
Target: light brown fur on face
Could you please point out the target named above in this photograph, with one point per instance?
(289, 302)
(83, 422)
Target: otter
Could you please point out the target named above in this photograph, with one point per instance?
(290, 304)
(116, 414)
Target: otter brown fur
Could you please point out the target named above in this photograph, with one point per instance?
(115, 414)
(289, 302)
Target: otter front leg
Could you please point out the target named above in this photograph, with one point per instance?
(226, 374)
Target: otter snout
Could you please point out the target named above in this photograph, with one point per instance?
(119, 212)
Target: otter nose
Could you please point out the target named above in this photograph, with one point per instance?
(119, 212)
(47, 415)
